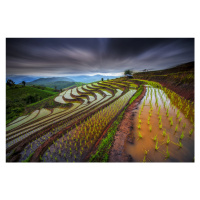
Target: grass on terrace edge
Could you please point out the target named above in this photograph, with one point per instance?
(102, 153)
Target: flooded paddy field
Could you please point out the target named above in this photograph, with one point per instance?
(163, 129)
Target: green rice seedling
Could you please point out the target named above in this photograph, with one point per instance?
(51, 155)
(178, 114)
(139, 126)
(184, 125)
(160, 126)
(59, 151)
(46, 153)
(182, 135)
(144, 159)
(56, 159)
(167, 153)
(176, 128)
(180, 144)
(150, 128)
(65, 155)
(155, 138)
(139, 135)
(168, 140)
(148, 122)
(191, 131)
(167, 112)
(159, 110)
(140, 121)
(171, 123)
(164, 132)
(180, 120)
(191, 120)
(156, 146)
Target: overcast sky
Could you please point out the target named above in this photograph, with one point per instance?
(76, 56)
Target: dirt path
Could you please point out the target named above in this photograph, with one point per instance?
(117, 153)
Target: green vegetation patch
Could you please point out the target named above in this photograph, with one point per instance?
(18, 97)
(102, 153)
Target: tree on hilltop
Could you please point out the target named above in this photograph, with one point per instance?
(128, 71)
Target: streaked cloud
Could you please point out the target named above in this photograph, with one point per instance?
(70, 56)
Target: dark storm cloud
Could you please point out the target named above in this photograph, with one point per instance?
(50, 57)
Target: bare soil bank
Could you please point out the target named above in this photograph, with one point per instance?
(117, 153)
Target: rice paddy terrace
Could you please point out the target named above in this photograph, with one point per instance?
(163, 125)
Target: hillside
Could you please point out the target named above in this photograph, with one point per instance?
(180, 79)
(18, 97)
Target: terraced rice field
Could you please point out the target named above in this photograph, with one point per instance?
(30, 132)
(71, 134)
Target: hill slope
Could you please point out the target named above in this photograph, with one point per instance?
(180, 79)
(18, 97)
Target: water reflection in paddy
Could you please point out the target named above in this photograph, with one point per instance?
(161, 116)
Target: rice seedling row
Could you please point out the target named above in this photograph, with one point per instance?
(74, 144)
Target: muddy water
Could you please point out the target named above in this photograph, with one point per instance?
(143, 149)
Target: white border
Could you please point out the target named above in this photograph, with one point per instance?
(98, 19)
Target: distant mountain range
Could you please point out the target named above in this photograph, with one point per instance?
(34, 80)
(89, 79)
(56, 85)
(42, 81)
(18, 79)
